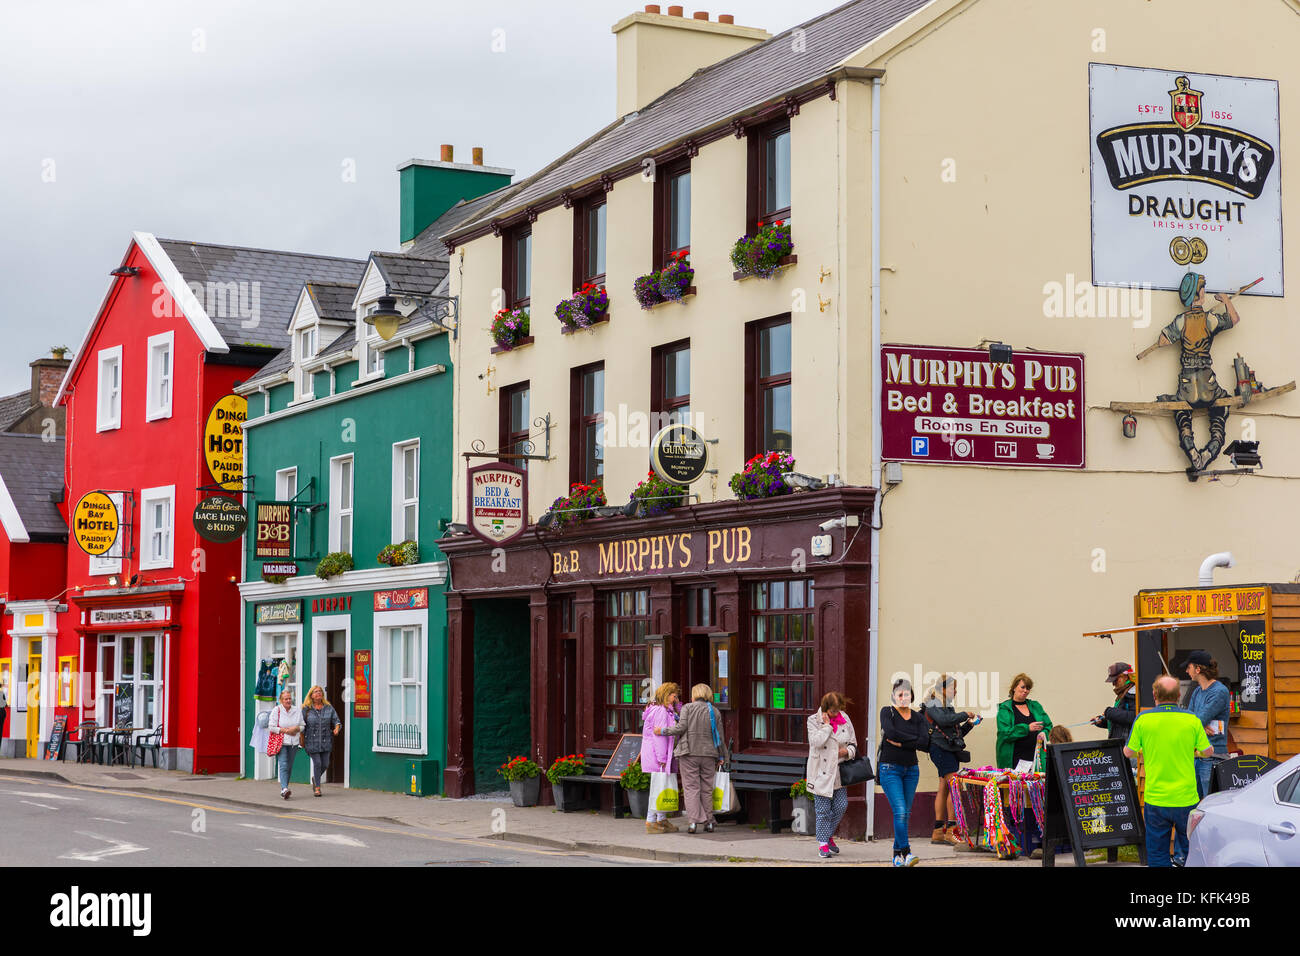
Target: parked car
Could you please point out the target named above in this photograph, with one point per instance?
(1257, 825)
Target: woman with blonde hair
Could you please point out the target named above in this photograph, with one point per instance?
(656, 750)
(948, 729)
(701, 752)
(319, 723)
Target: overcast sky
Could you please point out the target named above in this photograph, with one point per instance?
(231, 122)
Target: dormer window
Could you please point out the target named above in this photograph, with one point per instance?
(373, 359)
(306, 351)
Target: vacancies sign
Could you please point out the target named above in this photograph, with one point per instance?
(1185, 171)
(954, 406)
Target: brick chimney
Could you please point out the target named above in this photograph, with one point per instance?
(657, 51)
(47, 376)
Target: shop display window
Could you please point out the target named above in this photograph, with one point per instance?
(780, 648)
(627, 659)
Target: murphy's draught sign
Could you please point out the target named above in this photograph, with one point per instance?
(1184, 170)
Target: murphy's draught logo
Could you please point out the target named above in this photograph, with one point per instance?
(1186, 147)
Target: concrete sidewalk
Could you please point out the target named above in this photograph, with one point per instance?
(492, 817)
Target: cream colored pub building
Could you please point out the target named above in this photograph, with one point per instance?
(954, 173)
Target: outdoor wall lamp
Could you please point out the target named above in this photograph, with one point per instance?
(125, 271)
(1000, 354)
(386, 318)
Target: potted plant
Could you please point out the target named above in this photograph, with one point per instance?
(805, 822)
(763, 476)
(334, 563)
(576, 507)
(59, 351)
(566, 796)
(589, 306)
(525, 780)
(509, 327)
(396, 555)
(637, 784)
(654, 496)
(668, 284)
(760, 254)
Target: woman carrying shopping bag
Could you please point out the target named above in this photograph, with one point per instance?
(701, 752)
(831, 740)
(320, 723)
(286, 720)
(657, 750)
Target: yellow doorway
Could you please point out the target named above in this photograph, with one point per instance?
(33, 691)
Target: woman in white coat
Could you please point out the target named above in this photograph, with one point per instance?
(830, 740)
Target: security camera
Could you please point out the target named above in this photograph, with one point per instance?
(830, 523)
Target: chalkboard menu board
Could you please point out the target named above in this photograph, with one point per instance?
(628, 749)
(123, 706)
(1252, 648)
(58, 738)
(1239, 771)
(1092, 792)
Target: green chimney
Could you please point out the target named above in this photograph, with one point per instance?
(430, 188)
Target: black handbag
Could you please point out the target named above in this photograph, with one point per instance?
(857, 770)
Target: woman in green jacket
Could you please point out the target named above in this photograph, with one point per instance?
(1020, 720)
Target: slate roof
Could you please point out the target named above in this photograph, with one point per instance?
(14, 407)
(410, 275)
(333, 300)
(279, 277)
(428, 244)
(743, 81)
(32, 469)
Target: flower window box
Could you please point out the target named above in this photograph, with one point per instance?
(764, 253)
(510, 329)
(588, 307)
(672, 283)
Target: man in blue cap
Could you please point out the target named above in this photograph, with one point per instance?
(1194, 330)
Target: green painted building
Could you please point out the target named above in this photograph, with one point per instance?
(348, 443)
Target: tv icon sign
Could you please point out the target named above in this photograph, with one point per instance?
(1004, 449)
(920, 447)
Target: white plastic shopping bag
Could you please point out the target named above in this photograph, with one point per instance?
(724, 795)
(665, 793)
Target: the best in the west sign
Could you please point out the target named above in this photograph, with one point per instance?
(955, 406)
(1186, 176)
(498, 502)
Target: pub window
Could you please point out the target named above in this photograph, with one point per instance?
(627, 665)
(767, 386)
(130, 689)
(670, 383)
(699, 608)
(672, 212)
(517, 265)
(587, 432)
(513, 420)
(589, 241)
(781, 668)
(769, 174)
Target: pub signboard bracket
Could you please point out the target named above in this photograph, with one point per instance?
(479, 447)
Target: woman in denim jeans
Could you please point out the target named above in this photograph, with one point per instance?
(286, 718)
(903, 732)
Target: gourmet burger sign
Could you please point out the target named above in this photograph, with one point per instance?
(954, 406)
(1184, 171)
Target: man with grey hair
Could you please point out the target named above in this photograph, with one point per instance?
(1169, 739)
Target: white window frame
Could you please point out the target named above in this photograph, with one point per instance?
(336, 511)
(107, 682)
(149, 497)
(304, 382)
(104, 421)
(159, 345)
(282, 477)
(400, 501)
(370, 346)
(384, 623)
(101, 564)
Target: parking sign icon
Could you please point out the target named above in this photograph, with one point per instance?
(920, 447)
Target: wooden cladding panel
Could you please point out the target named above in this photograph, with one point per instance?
(1285, 625)
(1285, 600)
(1285, 653)
(1259, 750)
(1287, 716)
(1286, 668)
(1249, 735)
(1287, 684)
(1288, 731)
(1255, 719)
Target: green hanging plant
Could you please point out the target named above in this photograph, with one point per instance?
(334, 563)
(395, 555)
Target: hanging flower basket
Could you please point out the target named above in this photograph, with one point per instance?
(656, 496)
(589, 306)
(763, 476)
(669, 284)
(333, 564)
(509, 328)
(396, 555)
(576, 507)
(760, 254)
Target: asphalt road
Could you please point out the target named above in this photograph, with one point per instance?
(65, 825)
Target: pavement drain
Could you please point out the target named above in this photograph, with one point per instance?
(125, 776)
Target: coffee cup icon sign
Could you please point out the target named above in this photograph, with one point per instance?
(1046, 450)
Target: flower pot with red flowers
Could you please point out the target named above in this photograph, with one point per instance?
(636, 782)
(589, 306)
(563, 787)
(525, 779)
(510, 328)
(669, 284)
(761, 253)
(804, 822)
(764, 476)
(654, 496)
(577, 506)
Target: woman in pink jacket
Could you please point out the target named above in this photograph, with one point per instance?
(657, 751)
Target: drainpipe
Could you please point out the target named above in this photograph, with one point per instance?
(877, 428)
(1223, 559)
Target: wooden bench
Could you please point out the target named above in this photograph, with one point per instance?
(770, 774)
(591, 778)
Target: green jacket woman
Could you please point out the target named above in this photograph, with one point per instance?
(1018, 729)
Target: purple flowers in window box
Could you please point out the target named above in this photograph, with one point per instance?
(669, 284)
(764, 476)
(761, 254)
(509, 326)
(656, 496)
(589, 306)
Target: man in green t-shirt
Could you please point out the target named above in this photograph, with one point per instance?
(1169, 739)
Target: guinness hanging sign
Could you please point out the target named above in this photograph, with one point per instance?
(679, 454)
